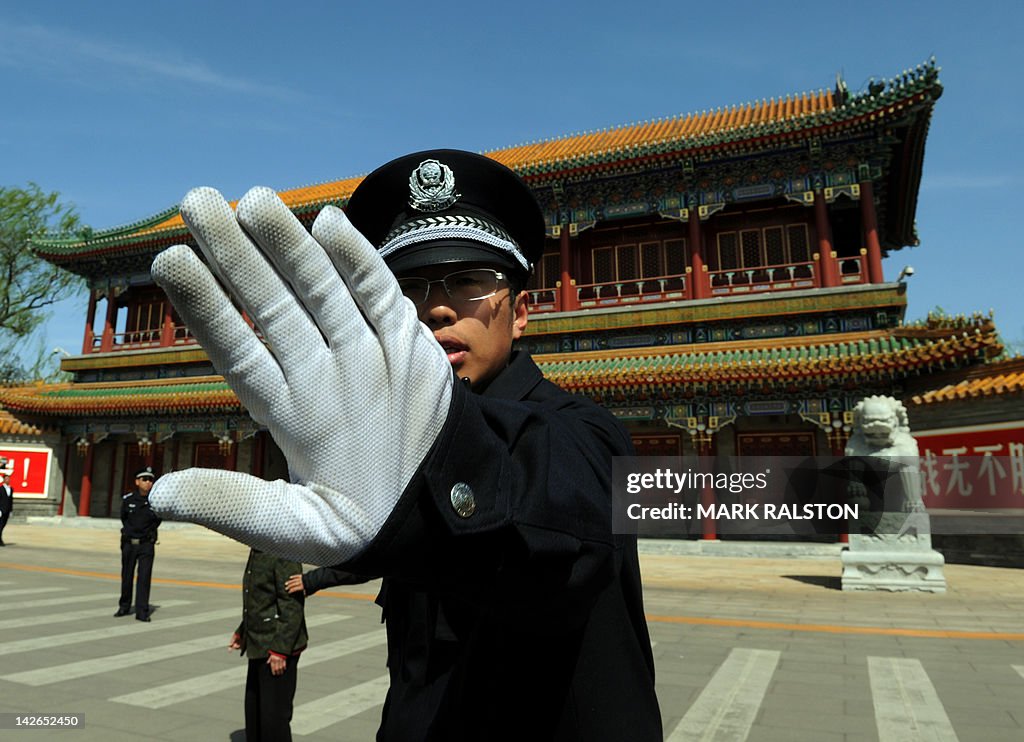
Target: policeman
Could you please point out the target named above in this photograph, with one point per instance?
(423, 449)
(139, 524)
(6, 498)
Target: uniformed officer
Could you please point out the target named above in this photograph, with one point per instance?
(272, 635)
(139, 524)
(6, 498)
(423, 449)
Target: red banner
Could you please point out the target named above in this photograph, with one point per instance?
(29, 470)
(973, 468)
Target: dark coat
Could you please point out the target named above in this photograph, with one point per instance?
(137, 518)
(522, 620)
(6, 501)
(325, 577)
(273, 620)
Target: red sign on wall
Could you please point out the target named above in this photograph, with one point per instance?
(973, 468)
(29, 470)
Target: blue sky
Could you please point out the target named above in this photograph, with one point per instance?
(123, 106)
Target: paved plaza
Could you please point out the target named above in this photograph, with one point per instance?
(747, 648)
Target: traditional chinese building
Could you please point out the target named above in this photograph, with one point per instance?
(718, 280)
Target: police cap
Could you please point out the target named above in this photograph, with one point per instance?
(449, 206)
(146, 473)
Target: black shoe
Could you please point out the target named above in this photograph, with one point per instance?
(121, 612)
(142, 618)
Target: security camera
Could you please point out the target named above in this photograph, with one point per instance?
(907, 272)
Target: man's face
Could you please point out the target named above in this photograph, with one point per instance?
(477, 335)
(144, 485)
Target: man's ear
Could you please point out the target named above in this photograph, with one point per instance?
(520, 312)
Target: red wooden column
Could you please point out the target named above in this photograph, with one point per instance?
(64, 478)
(870, 222)
(837, 445)
(826, 257)
(90, 318)
(107, 343)
(167, 330)
(258, 450)
(567, 296)
(85, 493)
(705, 452)
(700, 283)
(231, 460)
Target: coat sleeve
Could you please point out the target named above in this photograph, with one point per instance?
(515, 493)
(322, 578)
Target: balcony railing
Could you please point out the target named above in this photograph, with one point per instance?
(545, 299)
(851, 270)
(632, 291)
(138, 339)
(764, 278)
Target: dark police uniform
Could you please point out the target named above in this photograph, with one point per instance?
(523, 619)
(139, 526)
(6, 507)
(513, 612)
(322, 578)
(273, 622)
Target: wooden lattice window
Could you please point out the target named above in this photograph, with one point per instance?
(652, 260)
(615, 263)
(799, 244)
(767, 246)
(750, 240)
(666, 258)
(728, 251)
(546, 272)
(675, 257)
(775, 246)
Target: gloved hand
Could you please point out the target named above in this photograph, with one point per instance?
(352, 387)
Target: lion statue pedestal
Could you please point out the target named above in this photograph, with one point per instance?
(892, 548)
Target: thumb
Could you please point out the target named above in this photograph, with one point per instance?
(306, 523)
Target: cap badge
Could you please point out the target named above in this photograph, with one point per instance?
(432, 186)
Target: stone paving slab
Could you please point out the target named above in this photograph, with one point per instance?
(702, 609)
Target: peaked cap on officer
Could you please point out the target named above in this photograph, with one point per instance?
(449, 206)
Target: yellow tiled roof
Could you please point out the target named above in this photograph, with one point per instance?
(990, 381)
(791, 118)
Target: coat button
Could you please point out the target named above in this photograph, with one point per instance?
(463, 499)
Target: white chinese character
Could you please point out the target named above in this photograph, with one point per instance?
(957, 468)
(1017, 467)
(990, 466)
(930, 470)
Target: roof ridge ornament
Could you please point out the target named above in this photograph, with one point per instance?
(432, 187)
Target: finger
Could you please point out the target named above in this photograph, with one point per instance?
(249, 276)
(373, 286)
(231, 344)
(300, 261)
(311, 524)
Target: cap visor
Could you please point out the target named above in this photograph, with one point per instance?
(444, 252)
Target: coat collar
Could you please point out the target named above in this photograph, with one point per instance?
(517, 380)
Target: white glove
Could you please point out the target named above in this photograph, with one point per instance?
(352, 387)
